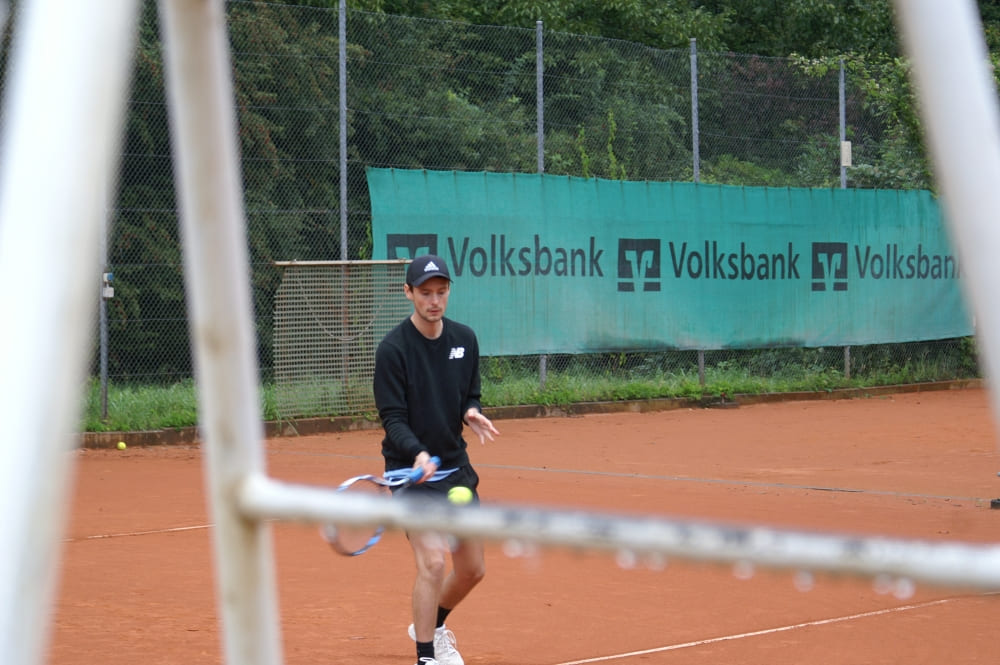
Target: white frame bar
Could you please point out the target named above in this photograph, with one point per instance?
(958, 103)
(63, 110)
(206, 157)
(640, 537)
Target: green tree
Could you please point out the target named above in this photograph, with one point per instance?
(147, 316)
(658, 23)
(614, 107)
(285, 66)
(807, 27)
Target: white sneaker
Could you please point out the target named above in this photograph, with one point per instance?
(445, 652)
(427, 661)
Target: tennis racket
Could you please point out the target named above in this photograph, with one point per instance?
(352, 540)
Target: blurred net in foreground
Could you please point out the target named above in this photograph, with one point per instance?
(903, 562)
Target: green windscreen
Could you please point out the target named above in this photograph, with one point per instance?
(555, 264)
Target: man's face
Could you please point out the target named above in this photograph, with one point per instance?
(430, 299)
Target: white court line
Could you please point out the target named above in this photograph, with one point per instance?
(768, 631)
(139, 533)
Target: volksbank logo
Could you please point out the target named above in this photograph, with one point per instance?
(410, 245)
(829, 266)
(638, 264)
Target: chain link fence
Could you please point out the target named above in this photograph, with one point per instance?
(450, 96)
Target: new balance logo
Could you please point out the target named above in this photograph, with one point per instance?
(456, 352)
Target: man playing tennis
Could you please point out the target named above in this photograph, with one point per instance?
(426, 387)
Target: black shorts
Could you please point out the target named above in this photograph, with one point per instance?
(465, 476)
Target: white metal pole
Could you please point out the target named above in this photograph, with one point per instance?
(217, 270)
(958, 102)
(946, 563)
(63, 112)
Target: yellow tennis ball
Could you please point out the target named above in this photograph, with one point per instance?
(460, 495)
(121, 445)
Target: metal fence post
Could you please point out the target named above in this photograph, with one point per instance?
(540, 95)
(695, 154)
(696, 163)
(844, 145)
(102, 308)
(342, 76)
(844, 163)
(540, 115)
(103, 323)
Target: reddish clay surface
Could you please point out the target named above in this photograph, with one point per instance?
(137, 574)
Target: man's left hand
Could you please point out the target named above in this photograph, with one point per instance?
(481, 425)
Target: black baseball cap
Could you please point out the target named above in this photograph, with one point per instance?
(424, 267)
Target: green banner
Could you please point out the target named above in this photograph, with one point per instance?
(556, 264)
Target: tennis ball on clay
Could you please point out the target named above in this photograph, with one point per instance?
(121, 445)
(460, 495)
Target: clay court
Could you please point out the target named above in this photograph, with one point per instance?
(137, 574)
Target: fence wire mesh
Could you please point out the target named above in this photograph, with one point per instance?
(443, 95)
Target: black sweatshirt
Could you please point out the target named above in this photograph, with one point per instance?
(423, 387)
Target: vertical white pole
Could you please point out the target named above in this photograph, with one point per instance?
(63, 112)
(217, 277)
(958, 102)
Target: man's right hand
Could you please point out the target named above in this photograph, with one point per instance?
(423, 461)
